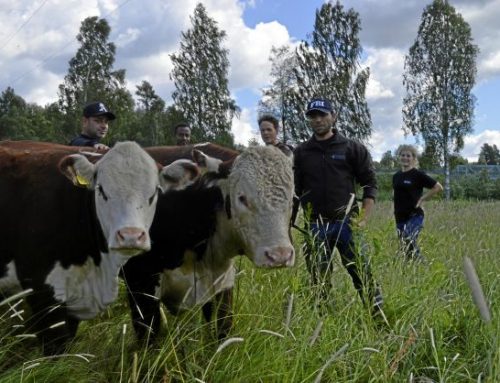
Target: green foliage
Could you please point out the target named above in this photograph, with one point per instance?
(91, 77)
(489, 155)
(328, 66)
(151, 114)
(200, 77)
(440, 72)
(388, 161)
(478, 186)
(20, 120)
(276, 99)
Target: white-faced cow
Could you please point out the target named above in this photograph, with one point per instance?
(243, 208)
(66, 243)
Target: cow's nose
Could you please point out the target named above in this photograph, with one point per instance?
(131, 238)
(280, 256)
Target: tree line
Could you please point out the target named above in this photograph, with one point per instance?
(439, 74)
(201, 96)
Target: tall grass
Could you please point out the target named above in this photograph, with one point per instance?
(435, 333)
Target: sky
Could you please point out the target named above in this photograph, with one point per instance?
(38, 38)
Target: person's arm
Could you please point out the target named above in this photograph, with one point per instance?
(366, 210)
(365, 176)
(434, 190)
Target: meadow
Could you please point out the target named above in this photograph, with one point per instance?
(434, 331)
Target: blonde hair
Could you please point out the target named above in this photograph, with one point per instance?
(412, 150)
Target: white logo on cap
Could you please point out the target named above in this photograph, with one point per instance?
(102, 108)
(316, 104)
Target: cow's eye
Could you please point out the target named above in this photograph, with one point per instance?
(243, 200)
(100, 190)
(152, 198)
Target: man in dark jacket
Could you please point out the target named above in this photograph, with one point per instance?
(95, 121)
(327, 167)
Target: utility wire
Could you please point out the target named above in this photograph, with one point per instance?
(9, 39)
(49, 57)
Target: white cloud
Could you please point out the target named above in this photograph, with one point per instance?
(242, 127)
(473, 143)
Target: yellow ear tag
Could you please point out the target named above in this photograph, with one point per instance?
(82, 181)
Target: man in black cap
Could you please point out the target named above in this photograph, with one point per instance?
(327, 167)
(94, 126)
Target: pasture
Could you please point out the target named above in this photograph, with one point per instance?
(434, 333)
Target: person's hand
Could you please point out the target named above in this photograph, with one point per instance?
(419, 203)
(358, 222)
(101, 147)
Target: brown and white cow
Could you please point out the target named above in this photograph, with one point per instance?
(68, 243)
(243, 208)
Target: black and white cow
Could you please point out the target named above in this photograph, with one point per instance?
(66, 243)
(243, 209)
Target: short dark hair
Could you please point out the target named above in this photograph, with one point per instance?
(273, 120)
(182, 124)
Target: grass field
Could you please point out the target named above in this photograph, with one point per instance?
(435, 333)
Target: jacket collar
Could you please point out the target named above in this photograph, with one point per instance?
(335, 140)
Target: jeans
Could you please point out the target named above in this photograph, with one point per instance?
(326, 236)
(408, 232)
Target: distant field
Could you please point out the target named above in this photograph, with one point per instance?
(434, 333)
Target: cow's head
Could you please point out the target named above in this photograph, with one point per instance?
(258, 203)
(127, 181)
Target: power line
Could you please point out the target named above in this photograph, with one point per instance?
(22, 25)
(49, 57)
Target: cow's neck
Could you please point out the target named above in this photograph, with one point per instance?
(87, 289)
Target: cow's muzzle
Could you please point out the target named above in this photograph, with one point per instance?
(131, 241)
(279, 256)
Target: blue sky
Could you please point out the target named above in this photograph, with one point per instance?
(37, 39)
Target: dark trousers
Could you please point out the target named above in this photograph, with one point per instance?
(326, 236)
(408, 232)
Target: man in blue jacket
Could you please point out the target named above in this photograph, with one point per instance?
(327, 168)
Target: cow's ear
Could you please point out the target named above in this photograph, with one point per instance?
(206, 163)
(78, 169)
(178, 175)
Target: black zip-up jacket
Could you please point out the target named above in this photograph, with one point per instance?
(326, 173)
(83, 140)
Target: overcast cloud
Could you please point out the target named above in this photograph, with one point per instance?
(37, 39)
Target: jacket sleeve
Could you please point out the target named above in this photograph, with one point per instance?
(297, 176)
(365, 172)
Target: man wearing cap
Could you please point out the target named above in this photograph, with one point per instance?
(94, 126)
(327, 167)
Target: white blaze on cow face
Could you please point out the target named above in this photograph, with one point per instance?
(127, 181)
(260, 188)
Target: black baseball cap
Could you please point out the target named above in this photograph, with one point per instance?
(320, 104)
(95, 109)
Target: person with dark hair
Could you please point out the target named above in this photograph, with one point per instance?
(182, 133)
(95, 125)
(408, 184)
(327, 167)
(269, 128)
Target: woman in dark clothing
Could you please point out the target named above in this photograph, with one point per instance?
(408, 185)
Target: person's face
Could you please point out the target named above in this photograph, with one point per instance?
(95, 127)
(321, 123)
(406, 159)
(268, 132)
(183, 135)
